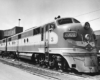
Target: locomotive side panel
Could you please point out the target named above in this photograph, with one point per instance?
(12, 43)
(34, 43)
(3, 45)
(29, 42)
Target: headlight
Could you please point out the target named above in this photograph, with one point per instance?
(88, 37)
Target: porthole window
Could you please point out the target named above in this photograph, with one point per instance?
(24, 40)
(27, 40)
(13, 43)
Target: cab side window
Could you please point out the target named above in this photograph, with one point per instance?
(52, 26)
(36, 31)
(19, 36)
(42, 33)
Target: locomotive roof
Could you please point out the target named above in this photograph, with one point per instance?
(29, 29)
(40, 26)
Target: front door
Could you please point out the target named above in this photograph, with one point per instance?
(46, 42)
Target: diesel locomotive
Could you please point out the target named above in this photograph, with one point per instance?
(64, 44)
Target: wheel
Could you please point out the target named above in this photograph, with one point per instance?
(51, 65)
(17, 55)
(40, 62)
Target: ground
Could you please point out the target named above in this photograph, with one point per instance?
(12, 73)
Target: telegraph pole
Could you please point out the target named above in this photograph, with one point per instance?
(19, 21)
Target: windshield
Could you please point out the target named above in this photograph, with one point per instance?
(67, 21)
(76, 21)
(64, 21)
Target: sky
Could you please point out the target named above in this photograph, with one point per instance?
(38, 12)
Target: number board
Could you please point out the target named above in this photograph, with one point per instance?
(70, 34)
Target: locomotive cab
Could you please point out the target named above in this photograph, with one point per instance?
(77, 44)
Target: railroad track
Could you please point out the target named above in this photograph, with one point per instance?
(50, 74)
